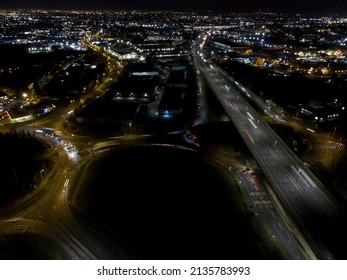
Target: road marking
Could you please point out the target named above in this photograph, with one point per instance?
(280, 226)
(66, 182)
(307, 177)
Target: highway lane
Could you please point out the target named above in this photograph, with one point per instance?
(202, 100)
(323, 146)
(304, 197)
(262, 202)
(264, 206)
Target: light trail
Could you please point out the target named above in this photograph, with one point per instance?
(252, 123)
(248, 136)
(249, 114)
(66, 183)
(307, 178)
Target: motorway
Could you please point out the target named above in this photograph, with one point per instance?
(305, 199)
(264, 206)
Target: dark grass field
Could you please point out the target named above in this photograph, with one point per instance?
(165, 203)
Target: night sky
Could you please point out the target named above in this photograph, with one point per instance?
(293, 6)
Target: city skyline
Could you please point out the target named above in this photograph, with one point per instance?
(308, 7)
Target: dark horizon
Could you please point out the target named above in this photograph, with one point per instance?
(293, 7)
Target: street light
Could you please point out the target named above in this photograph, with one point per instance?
(130, 126)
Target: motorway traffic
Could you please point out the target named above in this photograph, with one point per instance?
(262, 202)
(305, 199)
